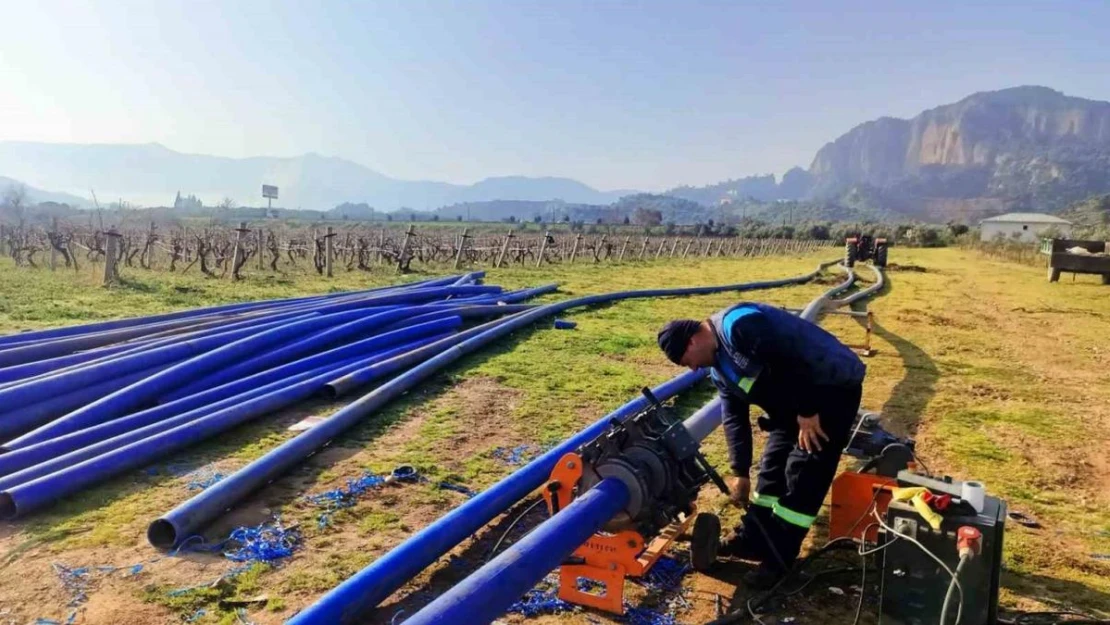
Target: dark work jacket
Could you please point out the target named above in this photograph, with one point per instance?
(779, 362)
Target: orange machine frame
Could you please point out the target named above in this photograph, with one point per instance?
(853, 497)
(607, 559)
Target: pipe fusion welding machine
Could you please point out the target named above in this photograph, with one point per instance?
(940, 539)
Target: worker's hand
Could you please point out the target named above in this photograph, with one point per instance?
(739, 488)
(810, 433)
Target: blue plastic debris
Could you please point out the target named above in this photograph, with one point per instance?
(563, 324)
(458, 488)
(518, 455)
(336, 499)
(268, 542)
(202, 479)
(542, 599)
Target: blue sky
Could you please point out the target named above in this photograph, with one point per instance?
(643, 95)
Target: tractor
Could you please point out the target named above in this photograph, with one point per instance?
(865, 247)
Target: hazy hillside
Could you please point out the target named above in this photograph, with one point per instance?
(36, 196)
(152, 174)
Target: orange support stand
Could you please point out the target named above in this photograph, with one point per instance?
(605, 559)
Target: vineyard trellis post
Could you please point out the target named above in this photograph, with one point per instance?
(329, 250)
(237, 255)
(53, 250)
(543, 247)
(574, 250)
(643, 248)
(462, 246)
(111, 257)
(260, 246)
(404, 249)
(624, 246)
(504, 248)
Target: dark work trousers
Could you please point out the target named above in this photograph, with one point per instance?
(793, 483)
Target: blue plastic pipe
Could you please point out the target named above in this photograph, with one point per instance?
(198, 405)
(27, 418)
(38, 335)
(26, 496)
(136, 395)
(487, 593)
(65, 382)
(352, 599)
(319, 341)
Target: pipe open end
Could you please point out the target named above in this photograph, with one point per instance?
(329, 393)
(7, 506)
(162, 534)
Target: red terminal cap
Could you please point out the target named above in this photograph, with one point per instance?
(938, 502)
(969, 539)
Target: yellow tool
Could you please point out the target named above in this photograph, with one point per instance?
(916, 496)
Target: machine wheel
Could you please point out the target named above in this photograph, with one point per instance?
(851, 253)
(705, 540)
(1053, 274)
(880, 255)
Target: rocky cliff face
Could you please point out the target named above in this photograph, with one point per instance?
(1027, 146)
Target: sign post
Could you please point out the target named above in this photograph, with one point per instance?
(269, 192)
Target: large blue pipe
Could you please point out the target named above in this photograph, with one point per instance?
(200, 404)
(487, 593)
(504, 579)
(352, 599)
(38, 335)
(27, 418)
(131, 397)
(27, 496)
(391, 320)
(90, 373)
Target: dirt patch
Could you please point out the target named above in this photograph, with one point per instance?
(114, 608)
(894, 267)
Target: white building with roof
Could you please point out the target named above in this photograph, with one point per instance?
(1031, 226)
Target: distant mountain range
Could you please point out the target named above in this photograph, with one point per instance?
(1025, 148)
(152, 174)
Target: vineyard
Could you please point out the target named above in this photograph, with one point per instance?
(222, 251)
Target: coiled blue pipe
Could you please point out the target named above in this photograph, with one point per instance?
(504, 579)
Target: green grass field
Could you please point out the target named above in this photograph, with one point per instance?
(999, 375)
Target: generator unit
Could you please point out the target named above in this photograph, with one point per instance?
(914, 586)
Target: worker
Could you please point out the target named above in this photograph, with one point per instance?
(809, 385)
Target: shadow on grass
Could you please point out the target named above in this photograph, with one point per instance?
(912, 394)
(1048, 590)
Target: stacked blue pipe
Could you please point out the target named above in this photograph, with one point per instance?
(80, 405)
(488, 592)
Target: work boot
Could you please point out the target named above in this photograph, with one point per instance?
(738, 545)
(746, 542)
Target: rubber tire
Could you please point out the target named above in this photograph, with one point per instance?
(880, 255)
(851, 253)
(704, 541)
(1053, 274)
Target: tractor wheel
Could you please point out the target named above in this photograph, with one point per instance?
(1053, 274)
(851, 253)
(704, 542)
(880, 255)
